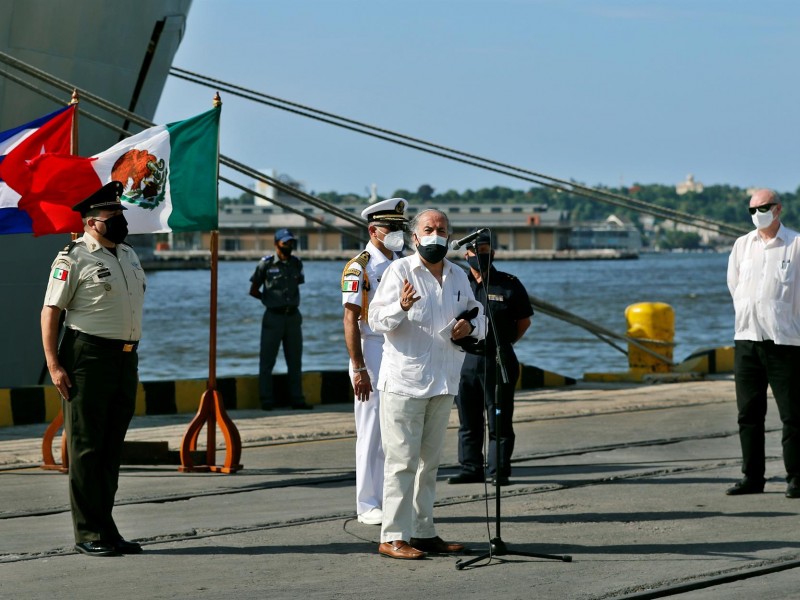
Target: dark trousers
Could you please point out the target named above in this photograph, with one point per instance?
(757, 365)
(476, 394)
(96, 418)
(277, 328)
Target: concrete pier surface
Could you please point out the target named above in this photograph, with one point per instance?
(626, 479)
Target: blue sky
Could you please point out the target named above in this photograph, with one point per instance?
(602, 92)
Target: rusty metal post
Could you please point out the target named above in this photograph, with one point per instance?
(212, 409)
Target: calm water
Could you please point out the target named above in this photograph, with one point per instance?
(176, 323)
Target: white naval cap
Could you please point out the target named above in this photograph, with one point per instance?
(391, 210)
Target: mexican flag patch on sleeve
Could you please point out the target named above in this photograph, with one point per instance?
(60, 274)
(350, 285)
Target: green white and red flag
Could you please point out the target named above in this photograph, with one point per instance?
(168, 172)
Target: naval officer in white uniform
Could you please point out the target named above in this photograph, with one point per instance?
(360, 278)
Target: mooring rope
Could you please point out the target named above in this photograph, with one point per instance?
(453, 154)
(541, 305)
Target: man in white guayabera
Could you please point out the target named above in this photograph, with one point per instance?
(420, 307)
(764, 281)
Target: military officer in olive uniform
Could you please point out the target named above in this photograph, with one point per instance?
(276, 282)
(385, 224)
(511, 310)
(100, 283)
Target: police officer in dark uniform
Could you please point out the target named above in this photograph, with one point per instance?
(506, 298)
(100, 283)
(276, 282)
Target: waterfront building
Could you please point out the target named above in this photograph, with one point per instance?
(524, 231)
(689, 186)
(613, 234)
(274, 194)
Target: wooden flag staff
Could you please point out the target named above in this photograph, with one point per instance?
(212, 410)
(48, 461)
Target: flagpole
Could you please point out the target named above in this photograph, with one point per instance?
(212, 409)
(48, 460)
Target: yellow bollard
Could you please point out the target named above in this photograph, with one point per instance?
(653, 324)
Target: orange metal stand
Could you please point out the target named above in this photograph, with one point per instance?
(211, 413)
(48, 461)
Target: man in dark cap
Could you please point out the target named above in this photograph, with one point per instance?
(100, 283)
(503, 296)
(276, 282)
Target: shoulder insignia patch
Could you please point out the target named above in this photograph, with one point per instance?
(349, 285)
(352, 273)
(60, 273)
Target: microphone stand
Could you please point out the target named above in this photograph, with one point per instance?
(497, 547)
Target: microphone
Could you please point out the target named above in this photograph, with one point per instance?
(456, 244)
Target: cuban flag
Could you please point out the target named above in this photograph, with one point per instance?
(18, 146)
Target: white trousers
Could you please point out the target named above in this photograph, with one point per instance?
(369, 451)
(413, 431)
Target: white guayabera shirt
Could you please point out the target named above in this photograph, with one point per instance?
(764, 282)
(419, 360)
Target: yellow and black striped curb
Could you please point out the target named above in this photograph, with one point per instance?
(531, 378)
(40, 404)
(703, 362)
(712, 360)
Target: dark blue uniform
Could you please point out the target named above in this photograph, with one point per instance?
(508, 302)
(279, 282)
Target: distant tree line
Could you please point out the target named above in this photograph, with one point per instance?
(723, 203)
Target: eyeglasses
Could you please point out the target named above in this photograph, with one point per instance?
(762, 209)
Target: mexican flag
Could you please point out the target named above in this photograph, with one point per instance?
(168, 172)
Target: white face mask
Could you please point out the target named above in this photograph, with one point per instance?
(393, 241)
(430, 240)
(763, 220)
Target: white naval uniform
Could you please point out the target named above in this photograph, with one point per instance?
(369, 449)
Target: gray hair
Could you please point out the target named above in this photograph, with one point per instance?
(415, 221)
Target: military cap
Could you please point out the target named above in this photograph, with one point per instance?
(392, 210)
(106, 198)
(284, 235)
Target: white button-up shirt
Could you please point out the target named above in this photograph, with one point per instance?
(763, 280)
(418, 361)
(102, 293)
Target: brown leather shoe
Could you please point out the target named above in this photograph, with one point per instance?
(437, 545)
(400, 549)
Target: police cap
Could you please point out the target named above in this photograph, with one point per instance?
(392, 210)
(284, 235)
(106, 198)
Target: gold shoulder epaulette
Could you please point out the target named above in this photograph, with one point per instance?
(362, 259)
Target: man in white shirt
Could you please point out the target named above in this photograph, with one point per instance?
(764, 282)
(417, 308)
